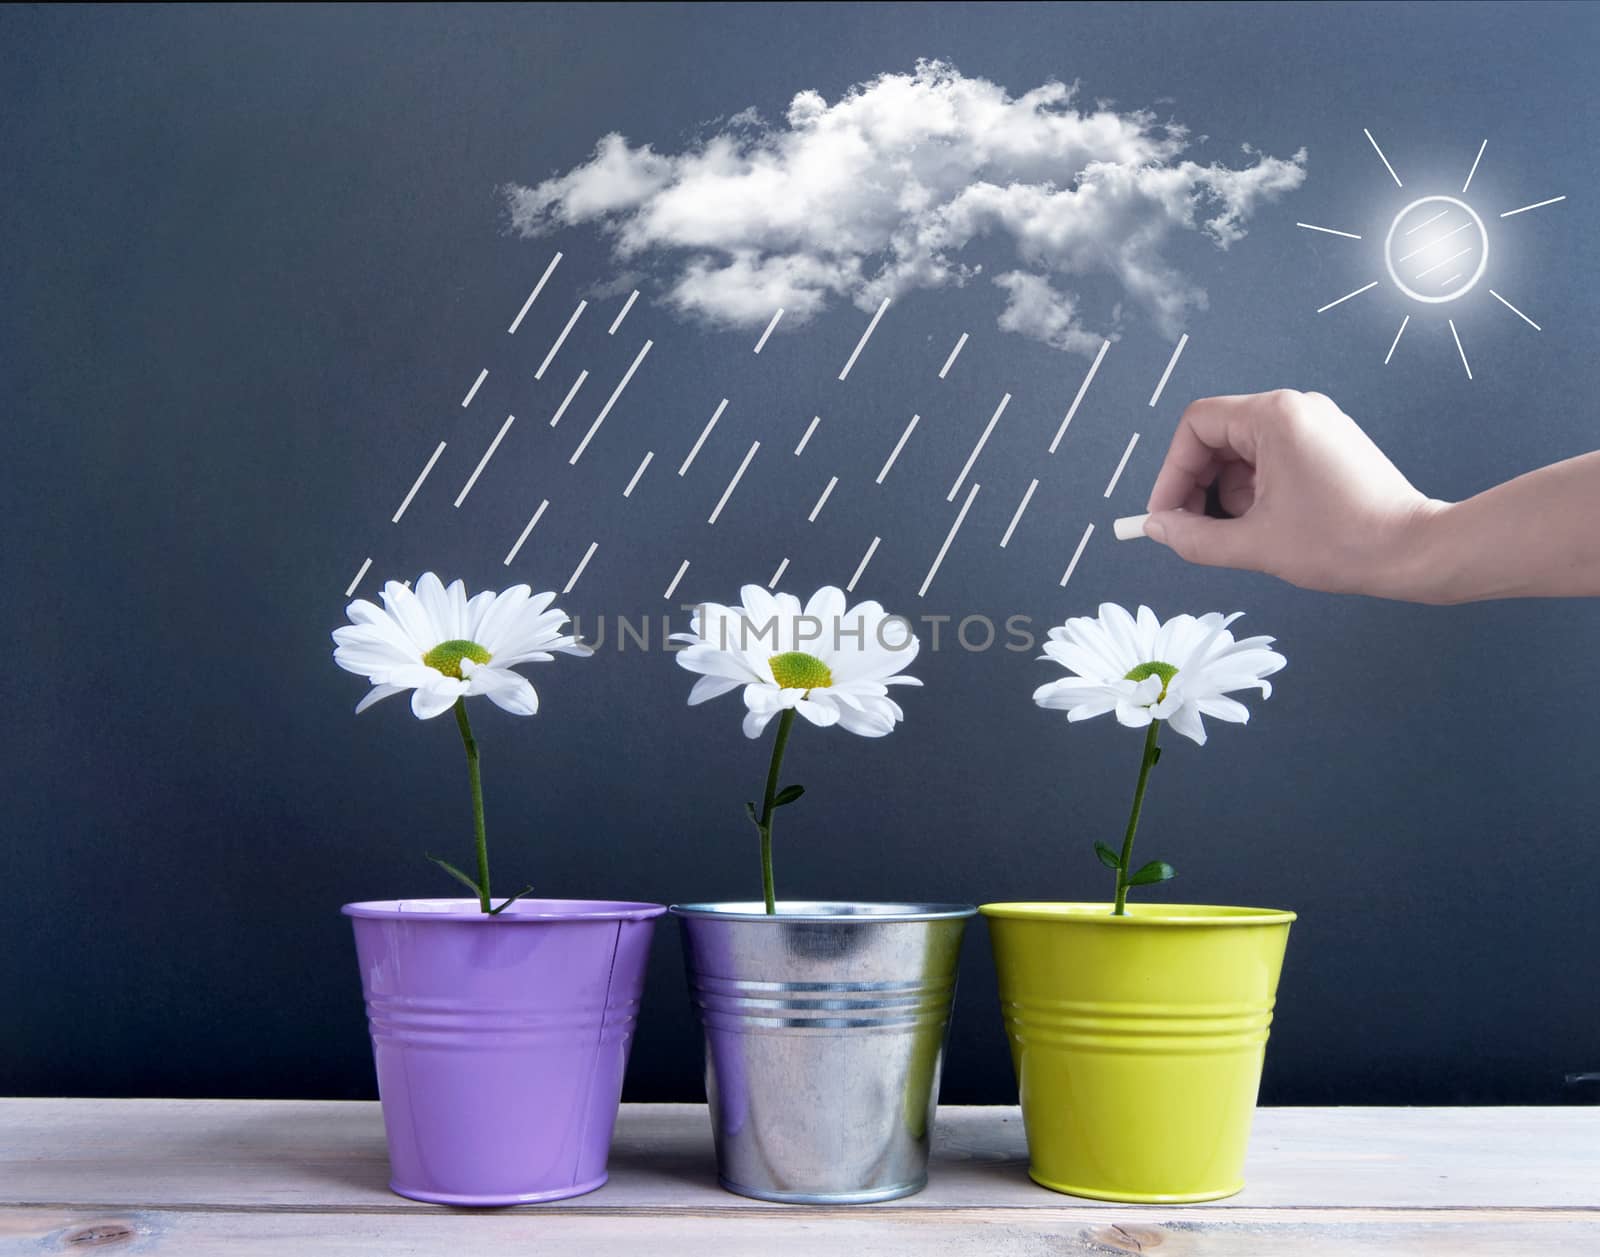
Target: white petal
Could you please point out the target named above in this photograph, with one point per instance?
(1169, 646)
(819, 711)
(1070, 691)
(1088, 709)
(359, 653)
(1122, 630)
(428, 703)
(1147, 690)
(1082, 660)
(872, 662)
(381, 624)
(1254, 663)
(377, 694)
(788, 610)
(1132, 715)
(1215, 635)
(755, 722)
(1224, 676)
(828, 603)
(509, 691)
(435, 603)
(1149, 626)
(1176, 696)
(477, 607)
(458, 608)
(500, 617)
(1093, 637)
(1224, 709)
(1186, 720)
(417, 676)
(718, 626)
(767, 699)
(528, 656)
(710, 661)
(709, 687)
(759, 605)
(529, 633)
(872, 721)
(412, 616)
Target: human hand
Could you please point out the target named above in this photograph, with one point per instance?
(1314, 501)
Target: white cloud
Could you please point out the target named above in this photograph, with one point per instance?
(1036, 309)
(882, 192)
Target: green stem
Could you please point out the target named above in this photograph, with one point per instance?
(785, 723)
(476, 778)
(1145, 765)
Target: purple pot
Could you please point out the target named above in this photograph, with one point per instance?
(500, 1042)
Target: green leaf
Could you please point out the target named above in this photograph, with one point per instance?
(457, 874)
(788, 795)
(1155, 756)
(750, 811)
(1108, 857)
(1155, 871)
(494, 912)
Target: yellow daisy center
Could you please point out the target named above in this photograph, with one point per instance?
(446, 657)
(1155, 668)
(796, 670)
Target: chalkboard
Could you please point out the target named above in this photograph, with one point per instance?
(261, 266)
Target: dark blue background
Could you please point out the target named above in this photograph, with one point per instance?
(253, 257)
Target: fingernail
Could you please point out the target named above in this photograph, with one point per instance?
(1155, 528)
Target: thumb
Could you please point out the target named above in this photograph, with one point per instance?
(1201, 539)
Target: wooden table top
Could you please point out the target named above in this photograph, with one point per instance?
(288, 1178)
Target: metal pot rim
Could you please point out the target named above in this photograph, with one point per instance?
(1162, 914)
(524, 911)
(831, 911)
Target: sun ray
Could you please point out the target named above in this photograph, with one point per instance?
(1459, 350)
(1474, 169)
(1348, 235)
(1383, 159)
(1515, 311)
(1397, 337)
(1535, 205)
(1347, 297)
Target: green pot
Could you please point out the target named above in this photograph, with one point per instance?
(1138, 1041)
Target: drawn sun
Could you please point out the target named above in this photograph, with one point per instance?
(1435, 252)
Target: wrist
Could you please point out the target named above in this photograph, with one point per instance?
(1423, 566)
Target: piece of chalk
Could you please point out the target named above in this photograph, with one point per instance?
(1129, 527)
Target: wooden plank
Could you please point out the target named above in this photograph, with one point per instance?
(330, 1156)
(800, 1232)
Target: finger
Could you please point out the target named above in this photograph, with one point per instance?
(1208, 542)
(1236, 488)
(1186, 472)
(1211, 432)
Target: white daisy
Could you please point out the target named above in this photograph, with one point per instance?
(831, 663)
(443, 645)
(1145, 670)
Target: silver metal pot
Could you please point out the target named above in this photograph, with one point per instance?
(825, 1028)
